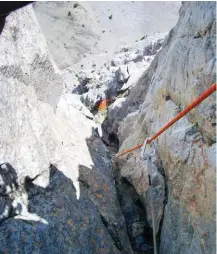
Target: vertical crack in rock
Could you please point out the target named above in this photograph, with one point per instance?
(138, 228)
(86, 202)
(162, 172)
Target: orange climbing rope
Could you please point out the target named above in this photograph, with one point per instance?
(202, 97)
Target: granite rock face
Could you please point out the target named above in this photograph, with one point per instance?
(118, 76)
(25, 58)
(181, 71)
(57, 192)
(81, 34)
(68, 30)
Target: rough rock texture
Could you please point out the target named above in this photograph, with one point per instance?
(67, 27)
(181, 71)
(80, 34)
(138, 229)
(117, 76)
(92, 224)
(57, 192)
(28, 64)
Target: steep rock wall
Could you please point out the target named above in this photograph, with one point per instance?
(57, 192)
(25, 57)
(182, 70)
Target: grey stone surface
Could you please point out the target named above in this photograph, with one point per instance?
(135, 171)
(92, 224)
(135, 216)
(122, 74)
(57, 192)
(119, 75)
(57, 187)
(181, 71)
(26, 59)
(82, 34)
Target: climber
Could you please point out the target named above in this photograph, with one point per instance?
(103, 104)
(6, 8)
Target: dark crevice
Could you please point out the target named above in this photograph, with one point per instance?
(113, 233)
(122, 91)
(138, 229)
(167, 98)
(28, 182)
(84, 183)
(82, 87)
(89, 117)
(139, 232)
(10, 216)
(113, 140)
(206, 138)
(111, 227)
(162, 172)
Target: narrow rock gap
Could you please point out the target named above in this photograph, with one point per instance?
(162, 171)
(112, 233)
(109, 211)
(138, 229)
